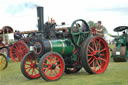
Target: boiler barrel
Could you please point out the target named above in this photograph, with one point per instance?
(64, 47)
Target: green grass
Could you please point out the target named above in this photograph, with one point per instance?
(116, 74)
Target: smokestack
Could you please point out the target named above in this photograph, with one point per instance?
(40, 19)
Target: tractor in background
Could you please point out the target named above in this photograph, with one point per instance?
(120, 52)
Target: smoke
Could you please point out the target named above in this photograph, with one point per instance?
(21, 7)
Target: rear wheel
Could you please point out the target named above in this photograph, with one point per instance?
(3, 61)
(51, 66)
(95, 55)
(29, 66)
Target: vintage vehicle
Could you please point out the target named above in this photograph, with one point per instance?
(51, 56)
(120, 52)
(4, 52)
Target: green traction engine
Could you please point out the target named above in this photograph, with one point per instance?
(120, 52)
(66, 51)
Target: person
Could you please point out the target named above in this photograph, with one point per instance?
(15, 36)
(20, 35)
(100, 29)
(84, 27)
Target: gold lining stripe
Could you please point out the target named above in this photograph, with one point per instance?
(51, 45)
(74, 47)
(63, 46)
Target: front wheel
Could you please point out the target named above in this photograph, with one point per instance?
(29, 66)
(51, 66)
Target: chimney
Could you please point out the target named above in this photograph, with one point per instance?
(40, 17)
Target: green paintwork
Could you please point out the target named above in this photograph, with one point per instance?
(79, 31)
(61, 47)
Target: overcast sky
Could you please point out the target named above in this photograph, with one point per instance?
(21, 14)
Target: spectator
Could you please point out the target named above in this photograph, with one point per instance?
(100, 29)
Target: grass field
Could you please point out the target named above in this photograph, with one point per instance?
(116, 74)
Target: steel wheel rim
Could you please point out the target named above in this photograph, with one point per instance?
(3, 62)
(18, 50)
(98, 59)
(48, 65)
(30, 66)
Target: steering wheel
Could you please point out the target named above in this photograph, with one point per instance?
(79, 31)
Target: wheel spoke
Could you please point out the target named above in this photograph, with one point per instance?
(33, 71)
(29, 70)
(102, 59)
(100, 62)
(75, 34)
(103, 50)
(58, 65)
(48, 61)
(92, 61)
(101, 54)
(90, 54)
(50, 73)
(46, 71)
(98, 65)
(91, 48)
(27, 67)
(94, 43)
(46, 64)
(55, 71)
(99, 45)
(78, 41)
(56, 61)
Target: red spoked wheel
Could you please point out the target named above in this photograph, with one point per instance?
(29, 66)
(18, 50)
(51, 66)
(95, 55)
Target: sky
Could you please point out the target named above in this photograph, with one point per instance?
(21, 14)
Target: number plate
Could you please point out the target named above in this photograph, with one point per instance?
(117, 53)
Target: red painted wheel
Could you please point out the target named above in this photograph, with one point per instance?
(95, 55)
(51, 66)
(29, 66)
(18, 50)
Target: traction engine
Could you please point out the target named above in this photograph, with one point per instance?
(51, 56)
